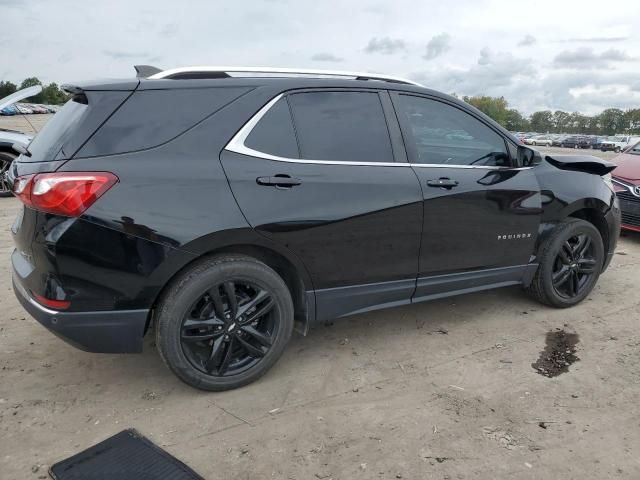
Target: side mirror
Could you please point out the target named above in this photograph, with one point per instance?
(528, 157)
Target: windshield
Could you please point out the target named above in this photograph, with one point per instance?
(635, 150)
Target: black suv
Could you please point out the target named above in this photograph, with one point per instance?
(576, 141)
(225, 210)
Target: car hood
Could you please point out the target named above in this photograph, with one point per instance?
(9, 137)
(628, 166)
(20, 95)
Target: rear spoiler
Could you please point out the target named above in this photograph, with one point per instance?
(581, 163)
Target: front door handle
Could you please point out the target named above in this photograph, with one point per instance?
(283, 181)
(443, 183)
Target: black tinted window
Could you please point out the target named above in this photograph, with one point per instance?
(274, 133)
(443, 134)
(344, 126)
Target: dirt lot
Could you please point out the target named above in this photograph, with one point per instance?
(442, 390)
(24, 123)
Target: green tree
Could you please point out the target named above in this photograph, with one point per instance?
(632, 120)
(560, 121)
(7, 88)
(612, 121)
(52, 95)
(578, 123)
(515, 121)
(31, 82)
(494, 107)
(542, 121)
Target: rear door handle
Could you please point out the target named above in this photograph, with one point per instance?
(284, 181)
(442, 183)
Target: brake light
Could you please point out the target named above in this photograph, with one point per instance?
(63, 193)
(48, 302)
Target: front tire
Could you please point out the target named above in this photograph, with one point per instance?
(5, 162)
(224, 322)
(569, 264)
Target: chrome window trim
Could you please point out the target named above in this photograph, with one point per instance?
(274, 71)
(237, 145)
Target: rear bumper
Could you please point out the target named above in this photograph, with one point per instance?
(119, 331)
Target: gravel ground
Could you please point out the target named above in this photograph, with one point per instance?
(445, 390)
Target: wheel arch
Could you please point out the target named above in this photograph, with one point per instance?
(592, 210)
(290, 269)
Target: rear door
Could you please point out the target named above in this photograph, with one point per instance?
(315, 171)
(481, 213)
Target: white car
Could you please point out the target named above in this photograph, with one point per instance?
(541, 140)
(618, 143)
(8, 138)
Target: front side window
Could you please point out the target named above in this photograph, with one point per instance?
(341, 126)
(443, 134)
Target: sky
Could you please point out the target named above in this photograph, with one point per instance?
(550, 54)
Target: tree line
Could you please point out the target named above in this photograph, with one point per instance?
(610, 121)
(51, 94)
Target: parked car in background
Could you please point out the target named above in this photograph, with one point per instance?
(9, 138)
(282, 202)
(9, 110)
(576, 141)
(539, 140)
(22, 108)
(626, 181)
(557, 140)
(618, 143)
(596, 141)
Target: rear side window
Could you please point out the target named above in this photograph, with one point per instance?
(274, 132)
(152, 117)
(341, 126)
(443, 134)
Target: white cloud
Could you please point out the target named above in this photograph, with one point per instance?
(87, 40)
(437, 46)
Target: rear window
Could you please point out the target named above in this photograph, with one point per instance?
(74, 123)
(49, 141)
(341, 126)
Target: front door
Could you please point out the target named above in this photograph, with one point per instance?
(481, 213)
(317, 174)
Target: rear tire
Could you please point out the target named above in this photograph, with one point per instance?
(5, 162)
(210, 329)
(570, 263)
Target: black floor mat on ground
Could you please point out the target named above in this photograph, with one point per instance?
(125, 456)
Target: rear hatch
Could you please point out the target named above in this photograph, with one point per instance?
(56, 143)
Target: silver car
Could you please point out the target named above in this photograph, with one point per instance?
(10, 137)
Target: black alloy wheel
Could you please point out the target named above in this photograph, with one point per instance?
(224, 322)
(230, 328)
(570, 260)
(574, 265)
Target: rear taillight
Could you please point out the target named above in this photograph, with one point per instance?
(63, 193)
(48, 302)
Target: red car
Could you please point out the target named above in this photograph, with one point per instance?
(626, 182)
